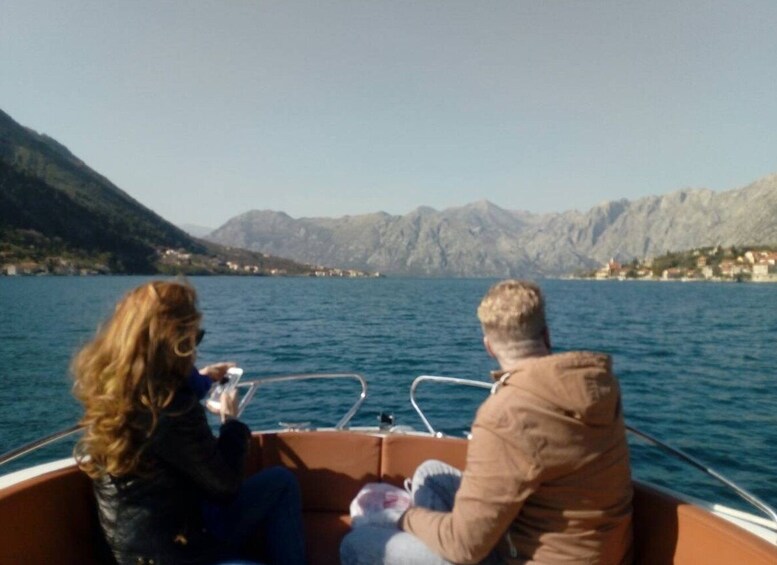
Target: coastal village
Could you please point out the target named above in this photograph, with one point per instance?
(58, 266)
(731, 264)
(177, 258)
(169, 260)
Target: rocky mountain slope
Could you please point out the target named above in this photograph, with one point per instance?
(482, 239)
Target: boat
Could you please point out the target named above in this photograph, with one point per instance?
(48, 513)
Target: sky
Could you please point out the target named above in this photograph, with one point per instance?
(205, 110)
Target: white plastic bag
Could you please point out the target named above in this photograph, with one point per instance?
(379, 504)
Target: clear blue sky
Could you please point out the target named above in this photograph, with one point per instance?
(204, 110)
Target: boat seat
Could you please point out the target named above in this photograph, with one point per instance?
(331, 468)
(667, 530)
(52, 518)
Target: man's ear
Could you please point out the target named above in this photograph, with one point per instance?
(546, 337)
(487, 345)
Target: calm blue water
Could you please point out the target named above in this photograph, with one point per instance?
(697, 362)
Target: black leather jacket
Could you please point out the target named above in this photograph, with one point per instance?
(158, 518)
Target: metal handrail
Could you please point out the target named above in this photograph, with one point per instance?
(9, 456)
(744, 494)
(252, 385)
(448, 380)
(741, 492)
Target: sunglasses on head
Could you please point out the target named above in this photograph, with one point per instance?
(200, 335)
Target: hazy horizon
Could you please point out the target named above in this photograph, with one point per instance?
(203, 111)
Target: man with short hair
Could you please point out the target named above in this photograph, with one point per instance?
(547, 476)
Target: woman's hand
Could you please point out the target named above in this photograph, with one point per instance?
(217, 371)
(229, 405)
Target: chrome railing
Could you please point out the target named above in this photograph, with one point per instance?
(741, 492)
(251, 385)
(447, 380)
(744, 494)
(9, 456)
(254, 384)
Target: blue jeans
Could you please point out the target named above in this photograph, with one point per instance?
(434, 487)
(269, 502)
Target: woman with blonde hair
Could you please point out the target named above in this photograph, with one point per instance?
(168, 490)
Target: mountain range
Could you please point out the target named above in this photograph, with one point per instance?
(52, 205)
(482, 239)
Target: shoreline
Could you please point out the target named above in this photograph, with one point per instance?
(772, 280)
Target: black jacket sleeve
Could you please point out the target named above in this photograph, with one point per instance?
(184, 441)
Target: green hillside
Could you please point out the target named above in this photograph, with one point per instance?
(58, 215)
(38, 221)
(45, 188)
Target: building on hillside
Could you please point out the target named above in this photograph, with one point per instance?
(672, 274)
(764, 272)
(611, 269)
(769, 257)
(729, 268)
(603, 273)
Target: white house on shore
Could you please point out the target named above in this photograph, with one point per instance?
(764, 272)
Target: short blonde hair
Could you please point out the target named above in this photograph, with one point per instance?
(513, 310)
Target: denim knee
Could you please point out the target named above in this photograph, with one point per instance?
(431, 466)
(283, 476)
(430, 469)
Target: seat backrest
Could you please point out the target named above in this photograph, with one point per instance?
(401, 454)
(51, 519)
(669, 531)
(331, 466)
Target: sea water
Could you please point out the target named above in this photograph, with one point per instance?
(697, 361)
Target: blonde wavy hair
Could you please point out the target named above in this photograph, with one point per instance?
(512, 311)
(130, 371)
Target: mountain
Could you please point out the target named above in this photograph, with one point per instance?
(47, 189)
(53, 207)
(482, 239)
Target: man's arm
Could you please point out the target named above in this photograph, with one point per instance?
(497, 480)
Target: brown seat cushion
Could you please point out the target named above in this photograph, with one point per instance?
(402, 454)
(323, 533)
(669, 531)
(51, 519)
(331, 466)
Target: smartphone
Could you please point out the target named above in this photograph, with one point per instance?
(227, 384)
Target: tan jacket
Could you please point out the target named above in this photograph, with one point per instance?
(547, 464)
